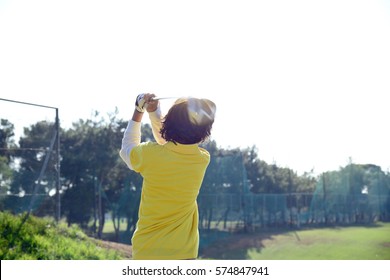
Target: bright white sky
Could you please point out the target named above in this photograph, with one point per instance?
(305, 81)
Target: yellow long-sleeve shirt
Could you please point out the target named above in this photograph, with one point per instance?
(168, 215)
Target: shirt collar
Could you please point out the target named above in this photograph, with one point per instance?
(182, 148)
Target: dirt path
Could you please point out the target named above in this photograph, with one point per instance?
(125, 250)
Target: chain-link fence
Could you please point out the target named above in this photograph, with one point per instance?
(249, 212)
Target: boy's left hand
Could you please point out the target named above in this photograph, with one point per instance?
(145, 101)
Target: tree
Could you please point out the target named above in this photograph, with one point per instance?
(224, 175)
(6, 146)
(77, 200)
(87, 161)
(355, 193)
(94, 173)
(31, 190)
(6, 139)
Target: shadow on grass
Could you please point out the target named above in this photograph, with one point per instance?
(341, 226)
(223, 245)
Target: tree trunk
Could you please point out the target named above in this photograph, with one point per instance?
(100, 211)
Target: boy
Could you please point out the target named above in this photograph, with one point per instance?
(172, 171)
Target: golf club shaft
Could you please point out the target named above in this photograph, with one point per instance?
(162, 98)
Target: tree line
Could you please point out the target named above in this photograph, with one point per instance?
(95, 182)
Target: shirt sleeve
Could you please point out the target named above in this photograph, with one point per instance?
(155, 120)
(131, 138)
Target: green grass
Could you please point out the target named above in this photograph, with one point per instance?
(42, 239)
(342, 243)
(109, 227)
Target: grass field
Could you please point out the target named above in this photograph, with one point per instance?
(43, 239)
(371, 242)
(339, 243)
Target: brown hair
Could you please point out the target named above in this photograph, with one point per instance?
(189, 121)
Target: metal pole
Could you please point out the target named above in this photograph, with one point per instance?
(58, 212)
(28, 103)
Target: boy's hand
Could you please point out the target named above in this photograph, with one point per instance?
(140, 103)
(151, 103)
(144, 101)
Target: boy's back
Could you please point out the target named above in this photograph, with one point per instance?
(173, 174)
